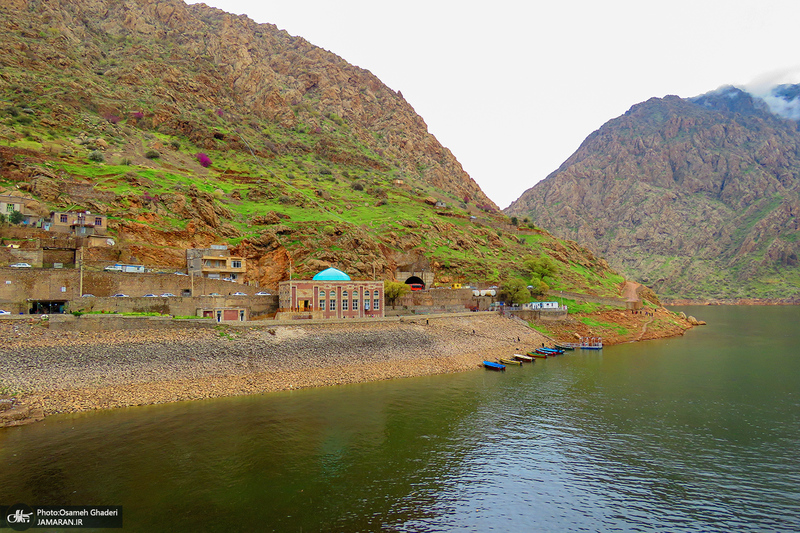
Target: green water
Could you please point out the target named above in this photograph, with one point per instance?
(696, 433)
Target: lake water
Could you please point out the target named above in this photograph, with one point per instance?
(696, 433)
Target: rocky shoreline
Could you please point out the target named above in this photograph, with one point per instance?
(48, 371)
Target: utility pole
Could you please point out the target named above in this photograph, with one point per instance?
(80, 267)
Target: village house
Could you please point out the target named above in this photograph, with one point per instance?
(9, 204)
(215, 262)
(78, 223)
(331, 294)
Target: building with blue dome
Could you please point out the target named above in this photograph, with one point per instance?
(330, 294)
(331, 274)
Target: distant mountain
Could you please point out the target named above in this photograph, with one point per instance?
(697, 197)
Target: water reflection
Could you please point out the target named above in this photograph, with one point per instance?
(683, 434)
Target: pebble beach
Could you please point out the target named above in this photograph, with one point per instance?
(45, 372)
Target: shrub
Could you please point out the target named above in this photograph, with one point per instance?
(378, 192)
(357, 186)
(175, 144)
(203, 159)
(326, 171)
(16, 217)
(284, 199)
(113, 119)
(125, 161)
(137, 115)
(152, 154)
(96, 156)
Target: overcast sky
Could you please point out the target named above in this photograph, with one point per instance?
(512, 88)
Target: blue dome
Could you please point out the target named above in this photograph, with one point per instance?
(331, 274)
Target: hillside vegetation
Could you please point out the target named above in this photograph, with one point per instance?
(189, 126)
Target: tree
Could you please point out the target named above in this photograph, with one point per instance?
(514, 221)
(539, 266)
(540, 288)
(2, 218)
(15, 217)
(393, 290)
(515, 291)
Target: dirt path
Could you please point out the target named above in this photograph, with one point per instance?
(644, 328)
(629, 292)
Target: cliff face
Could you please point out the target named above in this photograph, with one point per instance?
(698, 198)
(168, 66)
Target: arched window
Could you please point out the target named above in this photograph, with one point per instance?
(344, 294)
(376, 294)
(333, 294)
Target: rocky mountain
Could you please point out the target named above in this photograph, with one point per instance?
(189, 126)
(697, 197)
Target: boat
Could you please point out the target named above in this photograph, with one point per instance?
(509, 361)
(524, 358)
(567, 345)
(549, 351)
(591, 343)
(493, 366)
(554, 350)
(539, 355)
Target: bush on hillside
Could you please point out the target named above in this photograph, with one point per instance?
(96, 156)
(152, 154)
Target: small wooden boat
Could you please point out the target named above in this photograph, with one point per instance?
(493, 366)
(509, 361)
(524, 358)
(567, 345)
(537, 354)
(549, 352)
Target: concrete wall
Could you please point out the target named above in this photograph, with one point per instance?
(539, 314)
(105, 322)
(19, 285)
(256, 305)
(444, 298)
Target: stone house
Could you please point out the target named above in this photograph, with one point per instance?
(78, 223)
(215, 262)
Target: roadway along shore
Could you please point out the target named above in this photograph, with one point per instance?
(54, 371)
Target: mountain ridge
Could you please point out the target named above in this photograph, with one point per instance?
(699, 197)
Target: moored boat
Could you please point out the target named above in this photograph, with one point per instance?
(549, 351)
(537, 354)
(567, 345)
(523, 358)
(493, 366)
(591, 343)
(509, 361)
